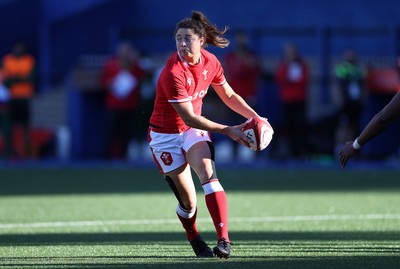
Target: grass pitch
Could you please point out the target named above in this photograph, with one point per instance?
(125, 218)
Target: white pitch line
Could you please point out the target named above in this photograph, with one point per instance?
(318, 218)
(174, 221)
(86, 223)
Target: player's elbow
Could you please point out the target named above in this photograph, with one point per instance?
(190, 121)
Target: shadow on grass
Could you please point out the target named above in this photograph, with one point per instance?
(83, 181)
(233, 263)
(250, 250)
(150, 238)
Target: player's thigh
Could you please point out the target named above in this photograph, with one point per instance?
(181, 182)
(199, 157)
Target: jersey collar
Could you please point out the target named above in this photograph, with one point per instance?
(186, 63)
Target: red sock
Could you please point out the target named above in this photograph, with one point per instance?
(217, 206)
(188, 220)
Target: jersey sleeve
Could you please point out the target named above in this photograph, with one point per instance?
(174, 87)
(219, 77)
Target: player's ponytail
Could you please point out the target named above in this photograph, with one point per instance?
(202, 26)
(214, 36)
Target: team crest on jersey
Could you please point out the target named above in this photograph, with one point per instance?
(189, 81)
(166, 157)
(205, 72)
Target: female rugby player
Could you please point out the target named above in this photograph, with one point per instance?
(179, 135)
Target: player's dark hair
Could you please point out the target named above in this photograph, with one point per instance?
(201, 26)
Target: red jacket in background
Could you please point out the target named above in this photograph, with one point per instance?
(292, 79)
(110, 71)
(243, 73)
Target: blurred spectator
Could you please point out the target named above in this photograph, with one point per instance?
(5, 128)
(147, 94)
(379, 122)
(19, 68)
(351, 90)
(292, 77)
(121, 78)
(243, 71)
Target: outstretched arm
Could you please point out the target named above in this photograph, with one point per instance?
(376, 125)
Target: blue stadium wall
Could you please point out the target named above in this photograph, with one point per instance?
(59, 31)
(69, 29)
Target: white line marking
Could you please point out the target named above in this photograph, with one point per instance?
(174, 221)
(318, 218)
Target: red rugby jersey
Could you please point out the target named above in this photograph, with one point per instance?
(181, 82)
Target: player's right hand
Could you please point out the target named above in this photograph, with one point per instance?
(346, 153)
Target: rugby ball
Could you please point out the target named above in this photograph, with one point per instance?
(259, 131)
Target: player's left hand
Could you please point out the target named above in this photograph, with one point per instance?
(346, 153)
(236, 134)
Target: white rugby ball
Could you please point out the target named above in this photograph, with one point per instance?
(259, 131)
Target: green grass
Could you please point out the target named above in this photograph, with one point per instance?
(125, 218)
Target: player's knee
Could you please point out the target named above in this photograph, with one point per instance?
(206, 174)
(189, 204)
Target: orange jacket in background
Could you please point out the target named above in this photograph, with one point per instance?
(18, 75)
